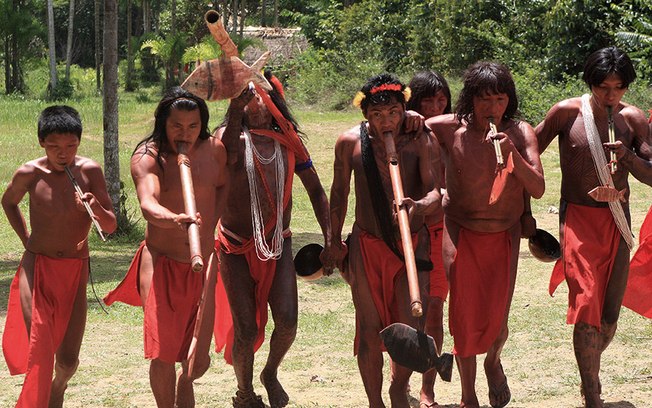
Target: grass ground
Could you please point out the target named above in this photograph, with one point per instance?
(320, 370)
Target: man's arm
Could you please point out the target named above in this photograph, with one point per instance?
(230, 136)
(639, 160)
(99, 199)
(16, 190)
(144, 172)
(340, 194)
(311, 182)
(429, 203)
(527, 162)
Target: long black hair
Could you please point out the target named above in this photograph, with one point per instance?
(486, 77)
(174, 98)
(426, 84)
(606, 61)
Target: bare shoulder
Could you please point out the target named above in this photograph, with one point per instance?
(144, 158)
(349, 137)
(217, 147)
(87, 165)
(632, 113)
(29, 171)
(567, 107)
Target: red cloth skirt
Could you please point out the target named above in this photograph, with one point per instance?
(589, 245)
(638, 295)
(479, 290)
(171, 309)
(56, 281)
(263, 273)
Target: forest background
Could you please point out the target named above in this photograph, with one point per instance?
(113, 59)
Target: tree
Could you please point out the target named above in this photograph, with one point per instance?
(110, 107)
(52, 47)
(71, 21)
(170, 51)
(98, 49)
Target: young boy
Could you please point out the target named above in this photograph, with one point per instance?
(50, 285)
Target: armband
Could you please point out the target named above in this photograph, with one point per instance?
(303, 166)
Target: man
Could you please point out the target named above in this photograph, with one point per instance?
(482, 207)
(254, 239)
(375, 268)
(430, 97)
(46, 316)
(160, 277)
(595, 232)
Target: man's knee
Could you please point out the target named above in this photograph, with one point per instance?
(200, 367)
(245, 333)
(65, 368)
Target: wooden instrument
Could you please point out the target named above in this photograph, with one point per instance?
(196, 259)
(220, 35)
(612, 139)
(404, 226)
(492, 133)
(89, 210)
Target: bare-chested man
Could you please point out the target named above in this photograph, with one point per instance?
(377, 276)
(254, 238)
(596, 237)
(161, 277)
(482, 210)
(431, 96)
(47, 308)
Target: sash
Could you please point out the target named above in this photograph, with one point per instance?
(600, 163)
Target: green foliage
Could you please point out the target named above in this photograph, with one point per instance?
(63, 90)
(635, 34)
(328, 77)
(573, 30)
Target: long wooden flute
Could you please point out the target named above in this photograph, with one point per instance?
(613, 160)
(190, 208)
(89, 210)
(403, 226)
(492, 133)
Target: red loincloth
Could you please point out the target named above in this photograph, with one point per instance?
(171, 308)
(479, 290)
(382, 267)
(589, 244)
(638, 294)
(56, 281)
(438, 281)
(262, 272)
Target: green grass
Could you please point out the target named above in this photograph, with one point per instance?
(319, 370)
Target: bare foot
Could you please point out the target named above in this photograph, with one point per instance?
(277, 396)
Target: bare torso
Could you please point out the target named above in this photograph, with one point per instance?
(578, 171)
(408, 157)
(237, 215)
(58, 227)
(470, 162)
(207, 161)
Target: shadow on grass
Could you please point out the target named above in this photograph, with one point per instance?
(619, 404)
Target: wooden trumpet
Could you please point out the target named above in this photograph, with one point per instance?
(404, 226)
(612, 139)
(215, 26)
(492, 133)
(196, 259)
(89, 210)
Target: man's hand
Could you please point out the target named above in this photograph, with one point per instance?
(182, 219)
(413, 122)
(528, 225)
(334, 258)
(243, 99)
